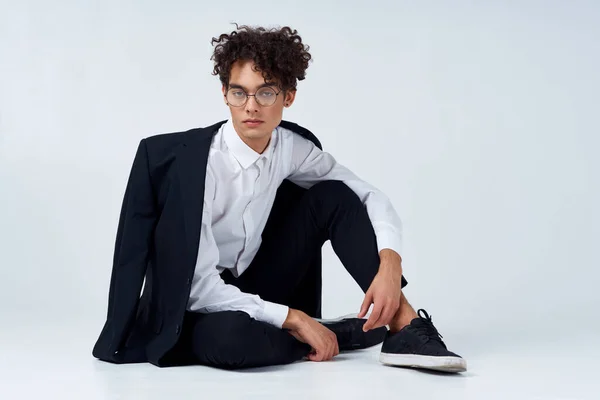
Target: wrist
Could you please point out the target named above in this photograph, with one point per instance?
(293, 320)
(390, 262)
(389, 257)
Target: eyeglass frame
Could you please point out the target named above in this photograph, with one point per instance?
(253, 95)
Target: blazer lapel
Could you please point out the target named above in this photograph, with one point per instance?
(192, 159)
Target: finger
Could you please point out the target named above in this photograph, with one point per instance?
(365, 305)
(378, 322)
(390, 315)
(394, 307)
(333, 345)
(334, 351)
(386, 316)
(387, 313)
(323, 353)
(336, 348)
(327, 354)
(372, 318)
(316, 355)
(328, 350)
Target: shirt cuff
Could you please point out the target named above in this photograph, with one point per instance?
(274, 314)
(388, 238)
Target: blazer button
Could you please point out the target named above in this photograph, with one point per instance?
(177, 329)
(189, 281)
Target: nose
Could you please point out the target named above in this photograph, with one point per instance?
(251, 104)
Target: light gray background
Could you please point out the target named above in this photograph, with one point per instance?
(478, 119)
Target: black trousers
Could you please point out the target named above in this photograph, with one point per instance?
(231, 339)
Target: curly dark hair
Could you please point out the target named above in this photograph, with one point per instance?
(278, 53)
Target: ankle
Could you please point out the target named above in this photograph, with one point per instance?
(396, 326)
(403, 317)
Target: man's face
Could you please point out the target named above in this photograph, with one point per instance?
(244, 78)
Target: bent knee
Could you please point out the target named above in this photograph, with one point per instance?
(331, 188)
(335, 192)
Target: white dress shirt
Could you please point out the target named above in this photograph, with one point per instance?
(240, 189)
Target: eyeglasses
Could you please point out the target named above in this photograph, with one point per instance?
(264, 96)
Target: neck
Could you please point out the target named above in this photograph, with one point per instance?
(259, 145)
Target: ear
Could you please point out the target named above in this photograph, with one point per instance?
(290, 96)
(224, 90)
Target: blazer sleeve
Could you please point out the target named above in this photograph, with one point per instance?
(132, 247)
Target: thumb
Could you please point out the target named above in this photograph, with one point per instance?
(297, 336)
(365, 305)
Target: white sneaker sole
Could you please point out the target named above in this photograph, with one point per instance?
(446, 364)
(338, 319)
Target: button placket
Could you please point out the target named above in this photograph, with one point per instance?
(249, 222)
(246, 214)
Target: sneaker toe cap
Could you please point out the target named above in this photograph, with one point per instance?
(438, 351)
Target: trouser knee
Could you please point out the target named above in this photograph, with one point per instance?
(333, 194)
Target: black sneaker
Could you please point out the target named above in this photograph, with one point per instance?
(419, 345)
(350, 335)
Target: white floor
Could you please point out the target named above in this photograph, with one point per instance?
(55, 363)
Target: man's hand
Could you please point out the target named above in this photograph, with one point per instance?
(322, 340)
(384, 292)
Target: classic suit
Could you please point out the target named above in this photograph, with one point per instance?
(158, 237)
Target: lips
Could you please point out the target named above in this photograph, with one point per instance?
(252, 123)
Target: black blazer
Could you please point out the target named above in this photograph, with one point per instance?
(157, 245)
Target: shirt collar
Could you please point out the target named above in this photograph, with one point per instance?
(240, 150)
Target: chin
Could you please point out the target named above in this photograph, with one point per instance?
(257, 135)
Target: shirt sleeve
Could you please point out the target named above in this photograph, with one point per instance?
(310, 165)
(209, 293)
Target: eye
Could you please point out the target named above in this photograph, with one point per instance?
(266, 93)
(238, 93)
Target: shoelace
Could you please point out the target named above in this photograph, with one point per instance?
(426, 328)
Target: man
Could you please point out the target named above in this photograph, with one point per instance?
(226, 225)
